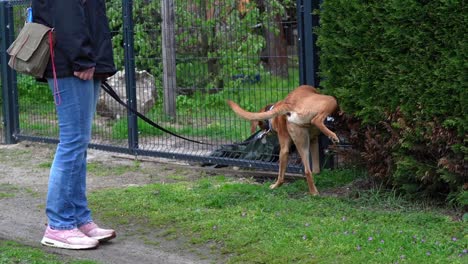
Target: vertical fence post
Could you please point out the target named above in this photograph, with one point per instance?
(8, 75)
(308, 56)
(309, 61)
(169, 56)
(130, 81)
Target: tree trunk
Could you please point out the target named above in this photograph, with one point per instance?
(276, 55)
(209, 12)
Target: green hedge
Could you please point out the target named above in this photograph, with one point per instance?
(399, 67)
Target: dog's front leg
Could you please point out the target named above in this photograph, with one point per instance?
(285, 143)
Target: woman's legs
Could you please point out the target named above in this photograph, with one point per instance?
(67, 205)
(83, 214)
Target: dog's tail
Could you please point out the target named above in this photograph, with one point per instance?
(279, 109)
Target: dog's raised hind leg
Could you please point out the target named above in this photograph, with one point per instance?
(318, 122)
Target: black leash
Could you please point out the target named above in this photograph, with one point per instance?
(108, 89)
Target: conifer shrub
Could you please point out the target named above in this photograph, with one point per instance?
(398, 69)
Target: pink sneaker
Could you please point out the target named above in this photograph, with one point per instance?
(93, 231)
(69, 239)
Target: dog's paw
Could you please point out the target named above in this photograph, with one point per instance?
(313, 191)
(335, 140)
(275, 185)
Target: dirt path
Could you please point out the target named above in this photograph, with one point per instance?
(24, 169)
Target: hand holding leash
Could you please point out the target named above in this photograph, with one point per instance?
(85, 74)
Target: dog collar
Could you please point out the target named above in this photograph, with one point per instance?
(269, 120)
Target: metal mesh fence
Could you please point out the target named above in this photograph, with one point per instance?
(189, 58)
(218, 56)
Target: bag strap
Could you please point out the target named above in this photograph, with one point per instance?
(108, 89)
(57, 98)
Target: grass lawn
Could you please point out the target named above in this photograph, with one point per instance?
(246, 222)
(252, 224)
(12, 253)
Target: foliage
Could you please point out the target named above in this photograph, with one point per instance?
(218, 39)
(147, 34)
(31, 92)
(398, 68)
(222, 37)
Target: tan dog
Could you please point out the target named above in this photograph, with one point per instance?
(299, 118)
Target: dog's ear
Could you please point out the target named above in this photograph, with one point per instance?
(259, 124)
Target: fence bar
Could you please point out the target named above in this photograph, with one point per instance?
(130, 81)
(8, 77)
(309, 61)
(308, 55)
(178, 156)
(169, 56)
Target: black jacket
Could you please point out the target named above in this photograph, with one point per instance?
(82, 35)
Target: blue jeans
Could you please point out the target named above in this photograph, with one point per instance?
(67, 206)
